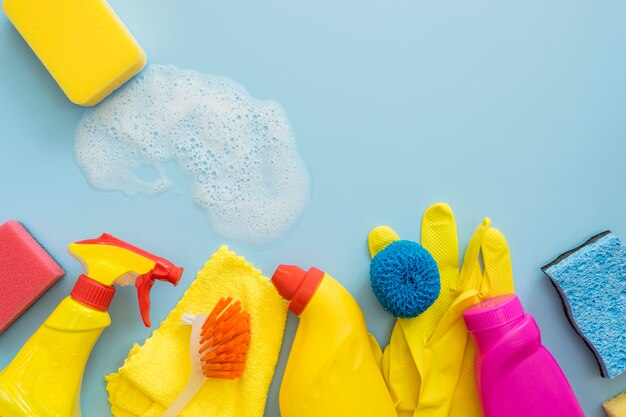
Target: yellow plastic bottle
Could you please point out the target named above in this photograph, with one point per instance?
(333, 369)
(44, 379)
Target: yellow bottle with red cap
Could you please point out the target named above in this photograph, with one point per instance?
(44, 379)
(333, 369)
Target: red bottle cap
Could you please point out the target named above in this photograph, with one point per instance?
(93, 293)
(494, 312)
(296, 285)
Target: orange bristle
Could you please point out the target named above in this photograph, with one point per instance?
(224, 340)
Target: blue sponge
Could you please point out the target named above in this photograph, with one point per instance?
(405, 279)
(591, 281)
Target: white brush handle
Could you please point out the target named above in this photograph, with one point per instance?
(196, 380)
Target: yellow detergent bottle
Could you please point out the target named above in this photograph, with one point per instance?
(333, 369)
(44, 379)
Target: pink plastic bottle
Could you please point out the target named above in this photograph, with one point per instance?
(515, 374)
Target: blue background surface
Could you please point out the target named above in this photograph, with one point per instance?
(511, 110)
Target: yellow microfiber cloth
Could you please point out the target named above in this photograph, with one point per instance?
(154, 374)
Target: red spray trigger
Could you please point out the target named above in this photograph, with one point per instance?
(163, 271)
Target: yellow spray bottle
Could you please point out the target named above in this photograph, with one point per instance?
(333, 369)
(44, 379)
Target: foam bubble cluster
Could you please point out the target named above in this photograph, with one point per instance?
(240, 152)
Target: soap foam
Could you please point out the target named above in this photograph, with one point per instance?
(240, 152)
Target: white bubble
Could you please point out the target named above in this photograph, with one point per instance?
(240, 152)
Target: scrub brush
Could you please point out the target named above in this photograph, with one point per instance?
(218, 346)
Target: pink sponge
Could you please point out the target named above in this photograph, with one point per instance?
(26, 272)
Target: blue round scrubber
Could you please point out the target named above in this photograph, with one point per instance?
(405, 278)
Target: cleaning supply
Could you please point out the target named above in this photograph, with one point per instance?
(44, 378)
(429, 362)
(515, 373)
(218, 348)
(616, 406)
(26, 272)
(591, 281)
(154, 374)
(332, 370)
(82, 43)
(405, 278)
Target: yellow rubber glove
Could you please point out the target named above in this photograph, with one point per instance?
(429, 362)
